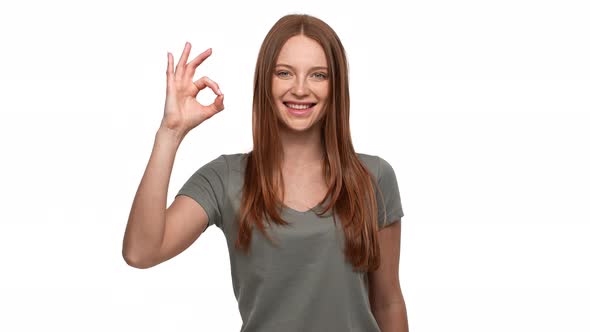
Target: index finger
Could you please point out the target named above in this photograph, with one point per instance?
(192, 66)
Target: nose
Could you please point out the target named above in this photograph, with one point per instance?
(300, 87)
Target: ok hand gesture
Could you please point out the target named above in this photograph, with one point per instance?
(182, 111)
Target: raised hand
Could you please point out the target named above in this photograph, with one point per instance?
(182, 111)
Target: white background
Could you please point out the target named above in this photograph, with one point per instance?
(480, 107)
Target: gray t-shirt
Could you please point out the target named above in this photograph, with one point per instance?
(305, 284)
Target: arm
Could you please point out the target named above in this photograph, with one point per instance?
(154, 233)
(385, 295)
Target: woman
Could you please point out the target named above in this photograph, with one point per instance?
(312, 227)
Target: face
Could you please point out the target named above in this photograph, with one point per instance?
(300, 83)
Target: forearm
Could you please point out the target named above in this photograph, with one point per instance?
(392, 318)
(146, 223)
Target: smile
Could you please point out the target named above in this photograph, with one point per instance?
(299, 109)
(299, 106)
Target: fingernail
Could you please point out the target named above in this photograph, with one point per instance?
(219, 91)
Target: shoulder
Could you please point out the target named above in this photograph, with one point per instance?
(379, 167)
(234, 161)
(221, 165)
(374, 163)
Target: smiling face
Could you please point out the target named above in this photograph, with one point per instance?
(300, 83)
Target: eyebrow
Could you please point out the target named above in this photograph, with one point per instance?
(312, 68)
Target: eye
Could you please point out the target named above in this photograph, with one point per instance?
(320, 75)
(282, 73)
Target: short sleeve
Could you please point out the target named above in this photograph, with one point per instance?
(207, 187)
(387, 182)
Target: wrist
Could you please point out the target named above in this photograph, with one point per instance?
(169, 135)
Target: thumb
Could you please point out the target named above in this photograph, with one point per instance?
(217, 105)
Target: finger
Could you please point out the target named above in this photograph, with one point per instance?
(191, 67)
(182, 62)
(204, 82)
(169, 68)
(217, 104)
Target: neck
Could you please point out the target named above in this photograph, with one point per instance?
(302, 150)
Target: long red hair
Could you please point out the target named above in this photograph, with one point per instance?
(351, 193)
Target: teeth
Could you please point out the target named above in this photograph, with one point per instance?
(299, 107)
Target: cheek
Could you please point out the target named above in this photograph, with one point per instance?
(278, 88)
(324, 92)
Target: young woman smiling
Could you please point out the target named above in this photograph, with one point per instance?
(312, 227)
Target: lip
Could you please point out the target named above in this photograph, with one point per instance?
(299, 102)
(297, 112)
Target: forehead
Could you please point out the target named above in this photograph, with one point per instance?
(302, 51)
